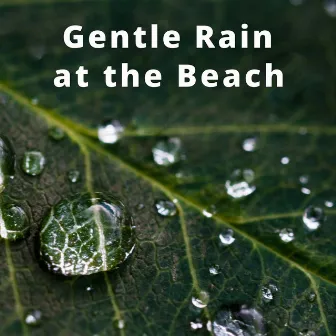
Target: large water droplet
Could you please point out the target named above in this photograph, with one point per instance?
(7, 162)
(167, 152)
(244, 322)
(13, 222)
(33, 163)
(286, 235)
(33, 318)
(250, 144)
(166, 208)
(201, 301)
(330, 7)
(56, 133)
(73, 176)
(227, 238)
(119, 324)
(268, 292)
(110, 132)
(313, 217)
(86, 234)
(240, 183)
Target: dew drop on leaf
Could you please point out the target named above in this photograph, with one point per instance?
(35, 101)
(56, 133)
(207, 214)
(304, 179)
(240, 184)
(14, 223)
(119, 324)
(33, 163)
(249, 144)
(311, 297)
(73, 176)
(305, 191)
(201, 300)
(214, 270)
(285, 160)
(312, 218)
(227, 238)
(307, 333)
(196, 325)
(7, 162)
(167, 152)
(330, 7)
(86, 234)
(33, 318)
(286, 235)
(165, 208)
(267, 292)
(110, 132)
(329, 204)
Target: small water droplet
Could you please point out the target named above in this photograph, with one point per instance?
(110, 132)
(330, 7)
(101, 221)
(73, 176)
(89, 289)
(250, 144)
(305, 191)
(214, 270)
(329, 204)
(7, 162)
(166, 208)
(227, 238)
(56, 133)
(207, 214)
(33, 318)
(311, 297)
(201, 301)
(304, 179)
(286, 235)
(33, 163)
(35, 101)
(240, 184)
(167, 152)
(196, 325)
(13, 222)
(268, 292)
(285, 160)
(313, 217)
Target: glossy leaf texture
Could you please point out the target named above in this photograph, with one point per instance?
(294, 128)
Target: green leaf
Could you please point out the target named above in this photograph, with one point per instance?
(152, 291)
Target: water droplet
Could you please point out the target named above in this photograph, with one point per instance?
(305, 191)
(73, 176)
(86, 234)
(33, 318)
(201, 301)
(166, 208)
(214, 270)
(244, 322)
(196, 325)
(250, 144)
(7, 162)
(35, 101)
(240, 183)
(110, 132)
(13, 222)
(119, 324)
(311, 297)
(307, 333)
(140, 206)
(89, 289)
(56, 133)
(286, 235)
(33, 163)
(285, 160)
(227, 238)
(304, 179)
(313, 217)
(167, 152)
(207, 213)
(268, 291)
(330, 7)
(329, 204)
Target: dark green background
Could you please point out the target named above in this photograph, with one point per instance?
(152, 291)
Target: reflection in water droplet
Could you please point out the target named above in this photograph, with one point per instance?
(227, 238)
(73, 176)
(285, 160)
(7, 162)
(240, 183)
(166, 208)
(329, 204)
(313, 217)
(33, 318)
(56, 133)
(330, 7)
(268, 291)
(214, 270)
(13, 222)
(167, 152)
(86, 234)
(33, 163)
(286, 235)
(311, 297)
(110, 132)
(201, 301)
(244, 322)
(250, 144)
